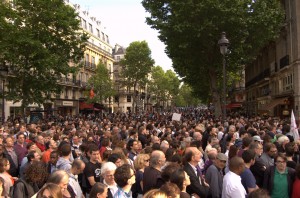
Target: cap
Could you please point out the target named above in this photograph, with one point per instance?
(257, 138)
(222, 156)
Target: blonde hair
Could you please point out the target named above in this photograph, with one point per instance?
(155, 193)
(140, 161)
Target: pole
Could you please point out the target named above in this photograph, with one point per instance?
(3, 105)
(224, 88)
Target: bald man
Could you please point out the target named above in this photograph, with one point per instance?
(152, 174)
(232, 183)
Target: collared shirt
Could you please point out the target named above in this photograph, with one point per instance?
(280, 186)
(122, 194)
(113, 188)
(13, 155)
(73, 182)
(232, 186)
(195, 170)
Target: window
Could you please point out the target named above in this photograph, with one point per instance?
(107, 40)
(87, 59)
(118, 58)
(128, 98)
(90, 28)
(83, 24)
(93, 62)
(98, 33)
(103, 38)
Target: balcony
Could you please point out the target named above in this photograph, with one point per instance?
(261, 76)
(89, 66)
(99, 49)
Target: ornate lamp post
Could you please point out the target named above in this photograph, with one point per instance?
(224, 43)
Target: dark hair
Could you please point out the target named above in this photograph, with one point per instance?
(3, 163)
(188, 156)
(20, 133)
(169, 154)
(170, 189)
(130, 144)
(30, 155)
(93, 148)
(97, 188)
(36, 173)
(246, 142)
(268, 146)
(155, 146)
(178, 178)
(176, 158)
(298, 171)
(248, 155)
(113, 157)
(65, 150)
(169, 170)
(122, 175)
(29, 145)
(281, 155)
(290, 149)
(105, 142)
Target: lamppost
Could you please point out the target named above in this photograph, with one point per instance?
(223, 44)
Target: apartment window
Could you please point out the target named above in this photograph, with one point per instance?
(93, 61)
(128, 98)
(87, 59)
(91, 28)
(84, 24)
(98, 33)
(118, 58)
(107, 40)
(103, 38)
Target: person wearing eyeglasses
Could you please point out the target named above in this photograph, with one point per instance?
(125, 178)
(279, 179)
(140, 163)
(107, 173)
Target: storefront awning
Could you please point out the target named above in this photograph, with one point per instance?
(84, 105)
(234, 105)
(272, 104)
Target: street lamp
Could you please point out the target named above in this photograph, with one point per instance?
(223, 44)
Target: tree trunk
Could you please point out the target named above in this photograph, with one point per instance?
(215, 93)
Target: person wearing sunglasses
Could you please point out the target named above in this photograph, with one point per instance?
(140, 163)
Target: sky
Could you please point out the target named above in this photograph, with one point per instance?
(124, 22)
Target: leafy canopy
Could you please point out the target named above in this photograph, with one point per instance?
(38, 41)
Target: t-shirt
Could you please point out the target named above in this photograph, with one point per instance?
(248, 180)
(94, 170)
(280, 187)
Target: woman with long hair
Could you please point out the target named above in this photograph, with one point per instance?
(8, 179)
(182, 180)
(140, 163)
(50, 190)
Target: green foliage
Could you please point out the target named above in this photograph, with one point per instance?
(137, 64)
(164, 85)
(38, 40)
(101, 84)
(191, 30)
(185, 98)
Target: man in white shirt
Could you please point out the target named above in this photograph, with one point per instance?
(232, 184)
(77, 168)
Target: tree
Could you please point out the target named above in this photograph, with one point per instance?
(137, 64)
(191, 30)
(101, 84)
(185, 98)
(38, 41)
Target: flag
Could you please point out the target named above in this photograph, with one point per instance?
(92, 94)
(294, 129)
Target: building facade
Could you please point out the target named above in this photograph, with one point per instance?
(273, 79)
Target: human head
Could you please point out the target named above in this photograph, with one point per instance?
(259, 193)
(52, 145)
(180, 178)
(36, 172)
(280, 161)
(171, 190)
(61, 178)
(141, 161)
(4, 165)
(94, 153)
(192, 155)
(77, 167)
(116, 159)
(155, 193)
(236, 165)
(65, 150)
(157, 159)
(282, 140)
(124, 176)
(249, 156)
(31, 146)
(53, 157)
(50, 190)
(33, 156)
(271, 149)
(20, 138)
(40, 139)
(99, 190)
(257, 147)
(221, 160)
(132, 145)
(164, 145)
(107, 172)
(169, 170)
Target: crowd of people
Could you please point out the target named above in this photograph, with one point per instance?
(125, 155)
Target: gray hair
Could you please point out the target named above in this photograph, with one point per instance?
(108, 166)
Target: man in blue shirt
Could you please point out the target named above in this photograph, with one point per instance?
(248, 179)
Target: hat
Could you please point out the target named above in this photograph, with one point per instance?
(222, 157)
(257, 138)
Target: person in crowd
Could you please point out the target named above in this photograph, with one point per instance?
(61, 178)
(214, 175)
(20, 147)
(51, 165)
(282, 141)
(164, 145)
(11, 155)
(107, 172)
(152, 174)
(279, 179)
(140, 163)
(50, 190)
(64, 162)
(92, 171)
(125, 178)
(132, 147)
(258, 168)
(182, 180)
(52, 146)
(155, 193)
(248, 179)
(246, 141)
(267, 157)
(232, 185)
(32, 156)
(8, 179)
(3, 193)
(75, 146)
(105, 145)
(296, 184)
(116, 159)
(198, 185)
(289, 153)
(76, 169)
(34, 178)
(171, 189)
(99, 190)
(31, 146)
(211, 157)
(39, 141)
(259, 193)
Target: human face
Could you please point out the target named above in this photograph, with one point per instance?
(37, 157)
(119, 162)
(7, 166)
(33, 147)
(109, 177)
(9, 142)
(103, 195)
(135, 146)
(146, 161)
(64, 183)
(21, 139)
(280, 164)
(95, 156)
(40, 139)
(53, 158)
(259, 149)
(197, 155)
(53, 145)
(220, 163)
(273, 151)
(187, 179)
(75, 140)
